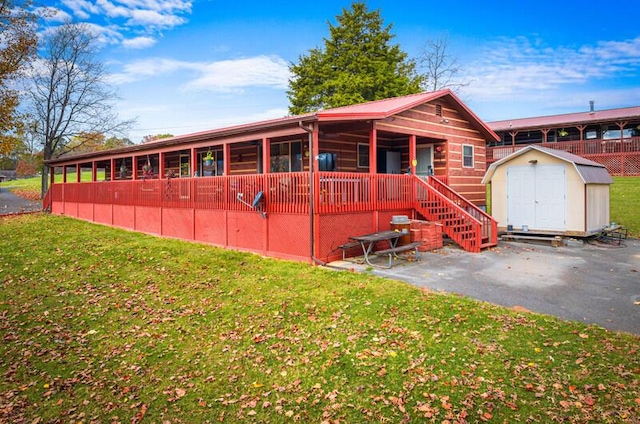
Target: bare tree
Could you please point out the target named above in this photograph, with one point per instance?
(69, 94)
(439, 68)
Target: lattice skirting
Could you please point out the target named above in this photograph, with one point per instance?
(627, 164)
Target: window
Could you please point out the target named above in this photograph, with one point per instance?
(363, 155)
(467, 156)
(591, 135)
(286, 157)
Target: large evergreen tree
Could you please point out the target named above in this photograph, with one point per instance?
(358, 64)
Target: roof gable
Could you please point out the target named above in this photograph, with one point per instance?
(380, 109)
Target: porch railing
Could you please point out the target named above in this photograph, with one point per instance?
(489, 226)
(290, 193)
(282, 192)
(584, 147)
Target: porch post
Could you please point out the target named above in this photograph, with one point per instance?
(161, 165)
(266, 155)
(373, 171)
(315, 189)
(134, 168)
(52, 175)
(412, 154)
(545, 135)
(78, 172)
(226, 156)
(64, 173)
(623, 154)
(373, 147)
(94, 171)
(194, 160)
(112, 171)
(581, 131)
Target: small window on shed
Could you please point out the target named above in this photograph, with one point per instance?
(438, 110)
(467, 156)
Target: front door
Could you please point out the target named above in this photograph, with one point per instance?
(424, 156)
(536, 196)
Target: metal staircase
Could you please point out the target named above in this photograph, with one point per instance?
(466, 224)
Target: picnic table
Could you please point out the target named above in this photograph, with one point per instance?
(369, 242)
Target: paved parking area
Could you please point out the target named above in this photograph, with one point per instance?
(10, 203)
(592, 284)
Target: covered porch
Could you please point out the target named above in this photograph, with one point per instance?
(295, 187)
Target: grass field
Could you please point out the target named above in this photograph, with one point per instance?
(624, 199)
(104, 325)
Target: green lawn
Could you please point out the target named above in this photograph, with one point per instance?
(104, 325)
(624, 198)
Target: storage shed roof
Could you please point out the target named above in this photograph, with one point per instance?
(590, 172)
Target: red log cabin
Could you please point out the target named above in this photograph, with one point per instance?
(295, 187)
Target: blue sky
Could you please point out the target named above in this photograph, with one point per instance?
(183, 66)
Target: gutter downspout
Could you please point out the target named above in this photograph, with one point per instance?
(309, 131)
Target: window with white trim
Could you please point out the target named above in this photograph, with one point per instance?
(467, 156)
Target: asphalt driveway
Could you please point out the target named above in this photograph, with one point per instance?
(592, 284)
(10, 203)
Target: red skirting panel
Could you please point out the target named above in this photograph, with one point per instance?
(289, 236)
(57, 208)
(335, 230)
(103, 213)
(177, 223)
(210, 226)
(246, 231)
(148, 219)
(71, 209)
(85, 211)
(124, 216)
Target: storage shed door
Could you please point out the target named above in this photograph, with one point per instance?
(536, 197)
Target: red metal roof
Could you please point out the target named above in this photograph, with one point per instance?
(381, 109)
(567, 119)
(378, 109)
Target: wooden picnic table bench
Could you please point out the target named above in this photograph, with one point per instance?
(393, 251)
(369, 242)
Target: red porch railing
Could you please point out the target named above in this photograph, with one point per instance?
(489, 227)
(289, 193)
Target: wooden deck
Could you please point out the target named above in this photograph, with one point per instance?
(219, 209)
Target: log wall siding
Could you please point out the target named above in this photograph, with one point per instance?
(455, 131)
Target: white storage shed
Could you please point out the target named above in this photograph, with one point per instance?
(549, 191)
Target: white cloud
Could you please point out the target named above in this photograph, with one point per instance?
(154, 18)
(256, 71)
(147, 17)
(139, 42)
(222, 76)
(82, 9)
(520, 67)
